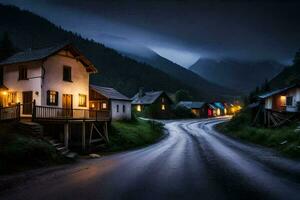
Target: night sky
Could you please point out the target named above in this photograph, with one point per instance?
(184, 31)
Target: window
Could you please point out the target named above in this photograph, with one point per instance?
(67, 73)
(52, 98)
(117, 108)
(139, 108)
(163, 107)
(82, 100)
(104, 105)
(124, 108)
(23, 73)
(12, 98)
(289, 101)
(282, 100)
(163, 100)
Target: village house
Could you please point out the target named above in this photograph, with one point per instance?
(199, 109)
(109, 99)
(51, 85)
(283, 100)
(159, 101)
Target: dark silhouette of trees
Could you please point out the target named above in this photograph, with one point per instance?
(6, 47)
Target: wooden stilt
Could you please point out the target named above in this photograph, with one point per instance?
(83, 135)
(106, 132)
(66, 135)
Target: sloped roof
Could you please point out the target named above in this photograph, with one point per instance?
(110, 93)
(211, 106)
(274, 92)
(191, 104)
(219, 105)
(39, 54)
(147, 98)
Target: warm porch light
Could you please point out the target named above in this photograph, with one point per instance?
(163, 107)
(4, 93)
(93, 105)
(218, 111)
(139, 108)
(225, 111)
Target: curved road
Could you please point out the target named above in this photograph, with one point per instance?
(192, 162)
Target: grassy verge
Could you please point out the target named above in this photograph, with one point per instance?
(283, 139)
(131, 134)
(20, 152)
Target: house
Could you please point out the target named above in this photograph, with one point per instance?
(51, 85)
(211, 110)
(159, 101)
(106, 98)
(282, 100)
(199, 109)
(220, 109)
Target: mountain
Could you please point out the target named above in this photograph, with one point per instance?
(239, 75)
(143, 54)
(28, 30)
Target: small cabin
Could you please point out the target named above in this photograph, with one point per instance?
(159, 101)
(109, 99)
(199, 109)
(282, 100)
(220, 108)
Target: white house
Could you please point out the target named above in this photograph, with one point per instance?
(54, 77)
(286, 99)
(105, 98)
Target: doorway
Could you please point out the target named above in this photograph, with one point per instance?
(27, 103)
(67, 104)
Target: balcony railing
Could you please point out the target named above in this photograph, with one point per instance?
(10, 113)
(53, 113)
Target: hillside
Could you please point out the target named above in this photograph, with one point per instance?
(240, 75)
(287, 76)
(28, 30)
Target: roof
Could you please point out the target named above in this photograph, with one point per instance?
(211, 106)
(274, 92)
(147, 98)
(39, 54)
(219, 105)
(110, 93)
(191, 104)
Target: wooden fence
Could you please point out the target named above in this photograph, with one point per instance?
(10, 113)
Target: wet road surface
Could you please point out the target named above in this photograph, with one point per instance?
(192, 162)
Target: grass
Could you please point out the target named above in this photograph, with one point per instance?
(20, 152)
(283, 139)
(132, 134)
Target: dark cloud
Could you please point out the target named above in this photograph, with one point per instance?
(240, 29)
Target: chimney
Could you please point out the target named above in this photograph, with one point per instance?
(141, 92)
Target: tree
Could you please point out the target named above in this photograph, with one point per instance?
(6, 47)
(182, 95)
(296, 60)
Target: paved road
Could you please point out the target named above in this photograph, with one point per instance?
(192, 162)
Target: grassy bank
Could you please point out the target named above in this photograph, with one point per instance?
(20, 152)
(283, 139)
(131, 134)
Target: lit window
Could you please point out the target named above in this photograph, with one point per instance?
(225, 111)
(12, 98)
(218, 112)
(52, 98)
(104, 106)
(283, 100)
(82, 100)
(163, 107)
(139, 108)
(23, 73)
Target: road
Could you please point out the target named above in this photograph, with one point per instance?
(192, 162)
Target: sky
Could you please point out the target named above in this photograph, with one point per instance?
(184, 31)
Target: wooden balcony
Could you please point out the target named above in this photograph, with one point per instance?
(47, 113)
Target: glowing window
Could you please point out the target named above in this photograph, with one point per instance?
(163, 107)
(104, 106)
(218, 111)
(283, 100)
(139, 108)
(82, 100)
(52, 98)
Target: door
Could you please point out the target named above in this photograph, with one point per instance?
(27, 103)
(67, 104)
